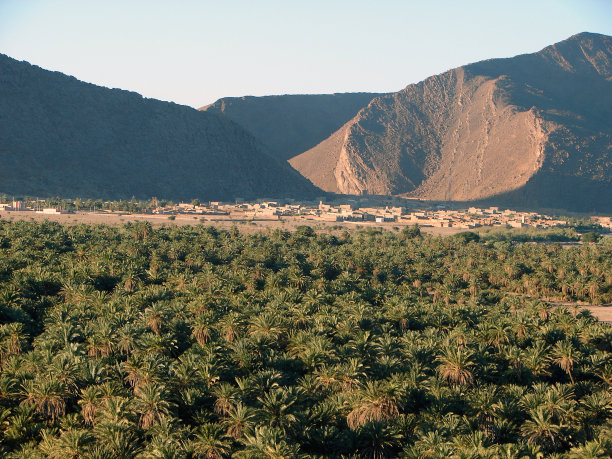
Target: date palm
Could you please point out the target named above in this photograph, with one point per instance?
(596, 408)
(374, 402)
(150, 401)
(456, 364)
(12, 340)
(114, 411)
(73, 444)
(90, 398)
(226, 397)
(143, 370)
(201, 330)
(536, 359)
(429, 445)
(558, 400)
(230, 326)
(277, 408)
(18, 425)
(540, 429)
(47, 396)
(154, 317)
(126, 339)
(116, 441)
(210, 442)
(267, 443)
(239, 420)
(378, 441)
(597, 449)
(521, 325)
(266, 326)
(565, 356)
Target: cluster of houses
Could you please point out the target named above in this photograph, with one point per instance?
(358, 213)
(475, 217)
(358, 210)
(606, 222)
(20, 206)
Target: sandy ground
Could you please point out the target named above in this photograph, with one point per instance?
(603, 313)
(287, 223)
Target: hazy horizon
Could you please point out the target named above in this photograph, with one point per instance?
(202, 51)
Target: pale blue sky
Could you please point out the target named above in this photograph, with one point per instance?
(194, 52)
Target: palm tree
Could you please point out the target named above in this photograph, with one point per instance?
(201, 330)
(210, 442)
(266, 326)
(90, 398)
(114, 411)
(267, 442)
(350, 374)
(277, 408)
(456, 365)
(150, 402)
(540, 429)
(536, 359)
(558, 400)
(46, 396)
(143, 370)
(116, 442)
(375, 402)
(73, 444)
(154, 317)
(597, 449)
(226, 397)
(564, 355)
(430, 445)
(126, 339)
(12, 340)
(595, 409)
(230, 326)
(378, 441)
(239, 420)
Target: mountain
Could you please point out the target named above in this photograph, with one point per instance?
(533, 130)
(291, 124)
(61, 136)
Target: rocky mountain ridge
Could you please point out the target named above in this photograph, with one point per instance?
(533, 130)
(61, 136)
(291, 124)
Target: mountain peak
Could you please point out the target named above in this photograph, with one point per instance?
(534, 129)
(588, 36)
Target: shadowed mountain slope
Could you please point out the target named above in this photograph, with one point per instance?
(61, 136)
(534, 130)
(291, 124)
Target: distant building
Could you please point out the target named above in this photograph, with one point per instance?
(52, 211)
(19, 205)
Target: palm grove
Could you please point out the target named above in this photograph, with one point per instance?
(196, 342)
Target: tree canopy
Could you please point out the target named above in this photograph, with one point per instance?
(200, 342)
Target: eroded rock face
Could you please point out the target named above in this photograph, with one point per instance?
(489, 149)
(486, 130)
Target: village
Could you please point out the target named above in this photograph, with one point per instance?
(396, 212)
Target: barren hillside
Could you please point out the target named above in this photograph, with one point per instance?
(291, 124)
(533, 130)
(60, 136)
